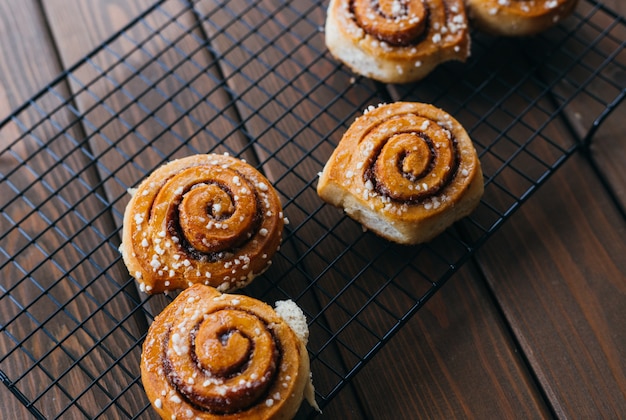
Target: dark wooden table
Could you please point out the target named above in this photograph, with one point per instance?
(532, 325)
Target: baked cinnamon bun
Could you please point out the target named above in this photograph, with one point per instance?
(209, 355)
(397, 41)
(210, 219)
(406, 171)
(518, 17)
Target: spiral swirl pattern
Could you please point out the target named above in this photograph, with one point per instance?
(405, 162)
(397, 40)
(396, 22)
(210, 219)
(413, 158)
(213, 355)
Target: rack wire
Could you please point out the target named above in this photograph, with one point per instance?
(254, 79)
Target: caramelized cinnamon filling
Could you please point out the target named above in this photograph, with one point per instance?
(213, 245)
(231, 346)
(413, 165)
(397, 22)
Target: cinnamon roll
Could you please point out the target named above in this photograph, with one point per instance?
(406, 171)
(518, 17)
(210, 219)
(397, 41)
(209, 355)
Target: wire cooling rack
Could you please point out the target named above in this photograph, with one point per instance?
(255, 80)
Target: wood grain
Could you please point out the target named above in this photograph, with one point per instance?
(551, 367)
(170, 80)
(561, 283)
(158, 99)
(53, 317)
(117, 99)
(374, 260)
(599, 48)
(532, 329)
(454, 359)
(276, 108)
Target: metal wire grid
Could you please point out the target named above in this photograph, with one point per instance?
(254, 79)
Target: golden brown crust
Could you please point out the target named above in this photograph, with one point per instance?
(396, 41)
(518, 17)
(405, 170)
(210, 219)
(218, 356)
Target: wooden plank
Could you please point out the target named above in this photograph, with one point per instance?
(148, 96)
(559, 281)
(454, 359)
(608, 149)
(24, 72)
(596, 61)
(609, 153)
(270, 59)
(12, 407)
(333, 262)
(151, 95)
(284, 123)
(617, 6)
(49, 316)
(492, 158)
(502, 110)
(561, 286)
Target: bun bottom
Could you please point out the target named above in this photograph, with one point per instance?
(489, 17)
(399, 231)
(405, 170)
